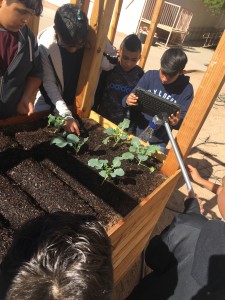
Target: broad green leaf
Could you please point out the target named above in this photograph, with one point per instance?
(95, 163)
(124, 124)
(117, 172)
(152, 149)
(103, 173)
(133, 149)
(59, 142)
(72, 138)
(135, 142)
(128, 155)
(142, 157)
(109, 131)
(104, 162)
(123, 137)
(116, 162)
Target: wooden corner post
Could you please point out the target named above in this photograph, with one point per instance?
(90, 70)
(155, 18)
(207, 93)
(115, 20)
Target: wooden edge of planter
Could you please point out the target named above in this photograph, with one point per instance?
(106, 123)
(130, 236)
(23, 119)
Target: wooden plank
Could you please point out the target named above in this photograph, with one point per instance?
(100, 21)
(34, 24)
(206, 94)
(155, 18)
(20, 119)
(84, 4)
(115, 20)
(130, 236)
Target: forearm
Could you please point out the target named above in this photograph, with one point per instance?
(32, 85)
(212, 187)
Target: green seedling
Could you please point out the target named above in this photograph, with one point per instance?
(142, 153)
(71, 140)
(57, 122)
(105, 169)
(117, 134)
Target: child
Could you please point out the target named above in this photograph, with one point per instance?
(62, 49)
(20, 67)
(171, 84)
(120, 81)
(187, 258)
(58, 256)
(217, 189)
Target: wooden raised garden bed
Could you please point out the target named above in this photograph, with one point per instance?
(37, 178)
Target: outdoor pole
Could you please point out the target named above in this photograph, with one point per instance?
(178, 156)
(154, 21)
(115, 20)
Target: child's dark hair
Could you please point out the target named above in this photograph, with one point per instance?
(71, 24)
(173, 61)
(58, 256)
(132, 43)
(36, 5)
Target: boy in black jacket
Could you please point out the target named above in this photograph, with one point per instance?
(119, 82)
(188, 258)
(20, 66)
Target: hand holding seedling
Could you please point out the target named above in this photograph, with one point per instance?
(70, 125)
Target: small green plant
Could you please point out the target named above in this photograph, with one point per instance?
(118, 134)
(71, 140)
(105, 169)
(57, 122)
(140, 152)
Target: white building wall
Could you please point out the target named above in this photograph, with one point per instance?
(129, 16)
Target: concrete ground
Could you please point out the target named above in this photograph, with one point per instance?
(207, 153)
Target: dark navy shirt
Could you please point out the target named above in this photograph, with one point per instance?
(71, 69)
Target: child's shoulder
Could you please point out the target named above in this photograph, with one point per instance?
(152, 73)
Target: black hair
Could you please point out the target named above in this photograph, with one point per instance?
(59, 256)
(36, 5)
(173, 61)
(132, 43)
(71, 24)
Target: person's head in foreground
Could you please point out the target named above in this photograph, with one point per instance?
(130, 52)
(173, 62)
(60, 256)
(14, 14)
(71, 27)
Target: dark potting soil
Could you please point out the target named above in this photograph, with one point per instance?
(38, 178)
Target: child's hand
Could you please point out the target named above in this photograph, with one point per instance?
(70, 125)
(132, 100)
(25, 107)
(194, 174)
(173, 120)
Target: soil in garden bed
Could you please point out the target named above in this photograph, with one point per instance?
(37, 178)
